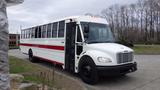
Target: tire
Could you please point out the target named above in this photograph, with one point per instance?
(123, 75)
(31, 57)
(88, 71)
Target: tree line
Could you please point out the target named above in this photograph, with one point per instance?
(136, 23)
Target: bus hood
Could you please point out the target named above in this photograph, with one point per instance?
(109, 47)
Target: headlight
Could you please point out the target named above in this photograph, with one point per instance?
(104, 60)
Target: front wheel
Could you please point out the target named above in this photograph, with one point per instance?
(88, 71)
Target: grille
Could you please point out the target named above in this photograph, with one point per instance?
(124, 57)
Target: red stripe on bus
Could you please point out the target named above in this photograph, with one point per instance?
(52, 61)
(44, 46)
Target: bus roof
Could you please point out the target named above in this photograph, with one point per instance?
(88, 19)
(78, 19)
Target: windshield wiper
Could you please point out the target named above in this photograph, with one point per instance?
(93, 42)
(108, 41)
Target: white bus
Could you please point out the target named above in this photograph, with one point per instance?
(81, 44)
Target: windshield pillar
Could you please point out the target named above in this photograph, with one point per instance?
(81, 32)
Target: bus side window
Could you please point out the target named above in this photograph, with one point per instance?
(26, 33)
(49, 31)
(22, 34)
(79, 37)
(30, 31)
(61, 29)
(36, 32)
(44, 31)
(33, 32)
(39, 33)
(54, 30)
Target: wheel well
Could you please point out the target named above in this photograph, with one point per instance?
(82, 60)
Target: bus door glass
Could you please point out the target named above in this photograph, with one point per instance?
(79, 42)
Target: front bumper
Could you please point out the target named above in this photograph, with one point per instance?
(117, 70)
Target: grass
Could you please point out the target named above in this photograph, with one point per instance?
(147, 49)
(42, 75)
(30, 71)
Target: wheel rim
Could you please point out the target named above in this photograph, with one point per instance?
(87, 71)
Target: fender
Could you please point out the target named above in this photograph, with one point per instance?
(94, 54)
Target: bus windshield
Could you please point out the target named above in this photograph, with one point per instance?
(97, 33)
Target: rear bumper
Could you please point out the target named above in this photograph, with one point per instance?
(117, 70)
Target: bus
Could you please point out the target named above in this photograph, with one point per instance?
(80, 44)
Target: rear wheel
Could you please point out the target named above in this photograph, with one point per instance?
(88, 71)
(31, 57)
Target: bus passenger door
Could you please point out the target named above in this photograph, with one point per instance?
(70, 46)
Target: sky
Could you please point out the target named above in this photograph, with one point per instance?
(35, 12)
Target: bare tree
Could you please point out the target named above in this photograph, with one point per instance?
(141, 18)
